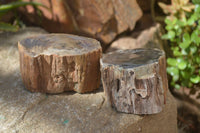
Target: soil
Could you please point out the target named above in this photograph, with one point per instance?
(188, 117)
(188, 121)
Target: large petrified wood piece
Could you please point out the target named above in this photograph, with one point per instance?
(54, 63)
(135, 81)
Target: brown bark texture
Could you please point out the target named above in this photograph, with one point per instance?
(54, 63)
(135, 81)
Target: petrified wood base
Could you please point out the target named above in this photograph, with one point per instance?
(54, 63)
(135, 81)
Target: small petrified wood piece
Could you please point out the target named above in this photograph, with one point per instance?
(135, 81)
(54, 63)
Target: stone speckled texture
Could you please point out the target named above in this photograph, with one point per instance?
(24, 112)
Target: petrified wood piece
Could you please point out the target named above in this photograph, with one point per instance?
(54, 63)
(135, 81)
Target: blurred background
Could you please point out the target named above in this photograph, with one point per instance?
(104, 20)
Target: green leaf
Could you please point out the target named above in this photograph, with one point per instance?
(184, 45)
(180, 23)
(168, 22)
(197, 8)
(173, 71)
(195, 36)
(174, 21)
(186, 38)
(198, 59)
(165, 36)
(193, 49)
(192, 19)
(184, 20)
(172, 83)
(176, 51)
(176, 27)
(175, 78)
(186, 41)
(179, 31)
(182, 64)
(196, 1)
(191, 68)
(195, 79)
(13, 5)
(171, 34)
(185, 74)
(177, 86)
(184, 52)
(171, 61)
(185, 83)
(8, 27)
(169, 27)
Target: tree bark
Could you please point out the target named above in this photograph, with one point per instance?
(135, 81)
(54, 63)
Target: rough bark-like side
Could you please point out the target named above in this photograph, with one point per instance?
(138, 90)
(58, 73)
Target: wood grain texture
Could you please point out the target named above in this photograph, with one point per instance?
(54, 63)
(135, 81)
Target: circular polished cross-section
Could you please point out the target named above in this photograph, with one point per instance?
(60, 44)
(132, 58)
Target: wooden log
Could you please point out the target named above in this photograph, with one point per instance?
(135, 81)
(54, 63)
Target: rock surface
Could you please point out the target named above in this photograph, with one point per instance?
(103, 19)
(14, 99)
(22, 111)
(149, 38)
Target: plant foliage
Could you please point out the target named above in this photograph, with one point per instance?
(5, 8)
(183, 32)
